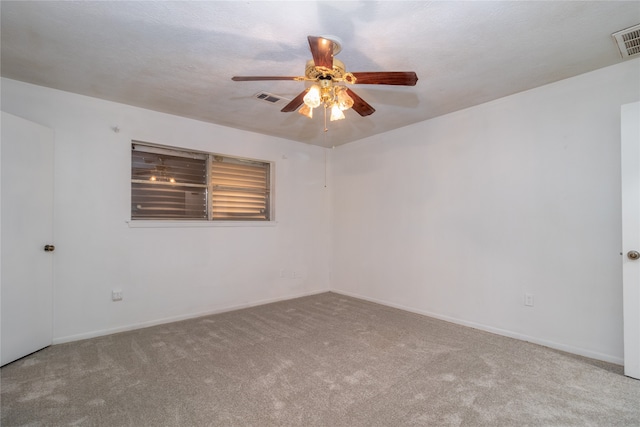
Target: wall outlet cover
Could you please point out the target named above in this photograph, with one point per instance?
(528, 300)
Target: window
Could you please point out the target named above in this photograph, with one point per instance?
(175, 184)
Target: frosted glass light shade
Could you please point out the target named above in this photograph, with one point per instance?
(312, 98)
(344, 100)
(336, 113)
(305, 110)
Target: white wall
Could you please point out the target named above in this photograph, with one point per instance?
(457, 217)
(460, 216)
(166, 273)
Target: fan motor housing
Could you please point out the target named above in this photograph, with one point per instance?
(313, 73)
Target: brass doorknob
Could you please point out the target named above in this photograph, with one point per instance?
(633, 255)
(49, 248)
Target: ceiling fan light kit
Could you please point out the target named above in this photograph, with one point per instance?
(330, 76)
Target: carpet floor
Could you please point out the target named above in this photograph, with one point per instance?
(323, 360)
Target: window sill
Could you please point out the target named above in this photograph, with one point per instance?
(197, 224)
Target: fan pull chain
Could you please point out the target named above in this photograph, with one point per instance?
(325, 118)
(324, 135)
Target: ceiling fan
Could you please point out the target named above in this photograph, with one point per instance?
(328, 73)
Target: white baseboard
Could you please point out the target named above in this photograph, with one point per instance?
(498, 331)
(109, 331)
(557, 346)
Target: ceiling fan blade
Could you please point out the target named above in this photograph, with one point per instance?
(295, 103)
(360, 105)
(258, 78)
(322, 51)
(402, 78)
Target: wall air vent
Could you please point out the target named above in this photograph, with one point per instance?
(269, 97)
(628, 41)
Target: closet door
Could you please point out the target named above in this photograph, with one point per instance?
(26, 282)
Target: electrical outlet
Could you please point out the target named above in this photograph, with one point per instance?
(116, 295)
(528, 300)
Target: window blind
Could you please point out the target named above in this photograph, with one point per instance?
(167, 184)
(239, 189)
(173, 184)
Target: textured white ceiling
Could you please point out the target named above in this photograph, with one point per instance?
(179, 57)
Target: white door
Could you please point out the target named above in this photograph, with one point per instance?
(631, 236)
(26, 282)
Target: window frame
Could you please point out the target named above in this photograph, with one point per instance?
(209, 221)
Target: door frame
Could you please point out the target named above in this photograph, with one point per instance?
(630, 173)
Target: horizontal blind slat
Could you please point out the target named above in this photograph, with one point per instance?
(239, 195)
(239, 189)
(166, 185)
(254, 176)
(247, 168)
(231, 206)
(262, 180)
(240, 217)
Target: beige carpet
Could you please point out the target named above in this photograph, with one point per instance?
(324, 360)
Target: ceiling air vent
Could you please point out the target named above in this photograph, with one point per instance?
(269, 97)
(628, 41)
